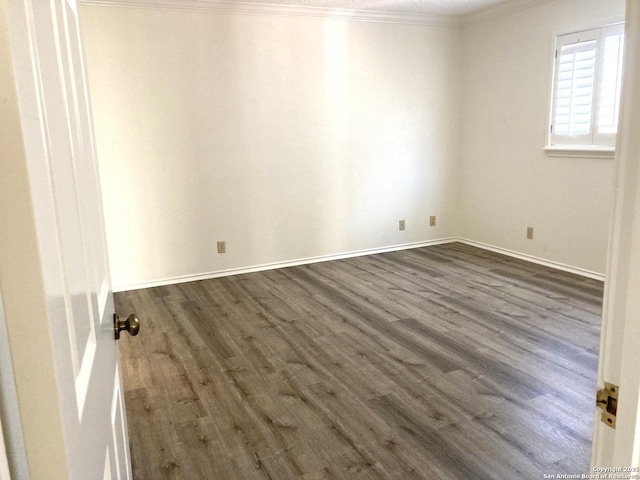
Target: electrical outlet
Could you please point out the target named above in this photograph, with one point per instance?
(222, 247)
(401, 224)
(530, 233)
(432, 221)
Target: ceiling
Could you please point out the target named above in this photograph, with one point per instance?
(440, 7)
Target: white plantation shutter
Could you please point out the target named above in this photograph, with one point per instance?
(575, 80)
(610, 85)
(574, 94)
(586, 94)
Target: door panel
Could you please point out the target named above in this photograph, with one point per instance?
(119, 444)
(65, 190)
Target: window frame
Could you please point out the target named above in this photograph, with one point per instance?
(593, 140)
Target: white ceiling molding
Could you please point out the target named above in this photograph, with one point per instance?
(500, 9)
(283, 10)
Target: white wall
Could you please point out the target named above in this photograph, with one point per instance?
(286, 137)
(507, 182)
(292, 137)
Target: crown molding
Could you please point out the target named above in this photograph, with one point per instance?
(282, 10)
(500, 9)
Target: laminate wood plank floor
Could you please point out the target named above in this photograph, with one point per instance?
(443, 362)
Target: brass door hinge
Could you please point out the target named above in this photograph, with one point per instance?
(607, 400)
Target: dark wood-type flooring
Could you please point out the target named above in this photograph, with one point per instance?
(444, 362)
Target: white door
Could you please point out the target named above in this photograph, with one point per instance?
(620, 345)
(73, 419)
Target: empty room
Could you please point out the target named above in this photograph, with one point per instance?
(346, 239)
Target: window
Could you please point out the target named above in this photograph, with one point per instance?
(586, 90)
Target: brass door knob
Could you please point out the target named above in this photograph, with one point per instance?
(131, 325)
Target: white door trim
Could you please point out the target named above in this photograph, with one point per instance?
(4, 462)
(12, 448)
(620, 342)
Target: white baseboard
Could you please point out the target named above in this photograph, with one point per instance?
(530, 258)
(326, 258)
(273, 266)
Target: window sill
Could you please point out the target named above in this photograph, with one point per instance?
(579, 151)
